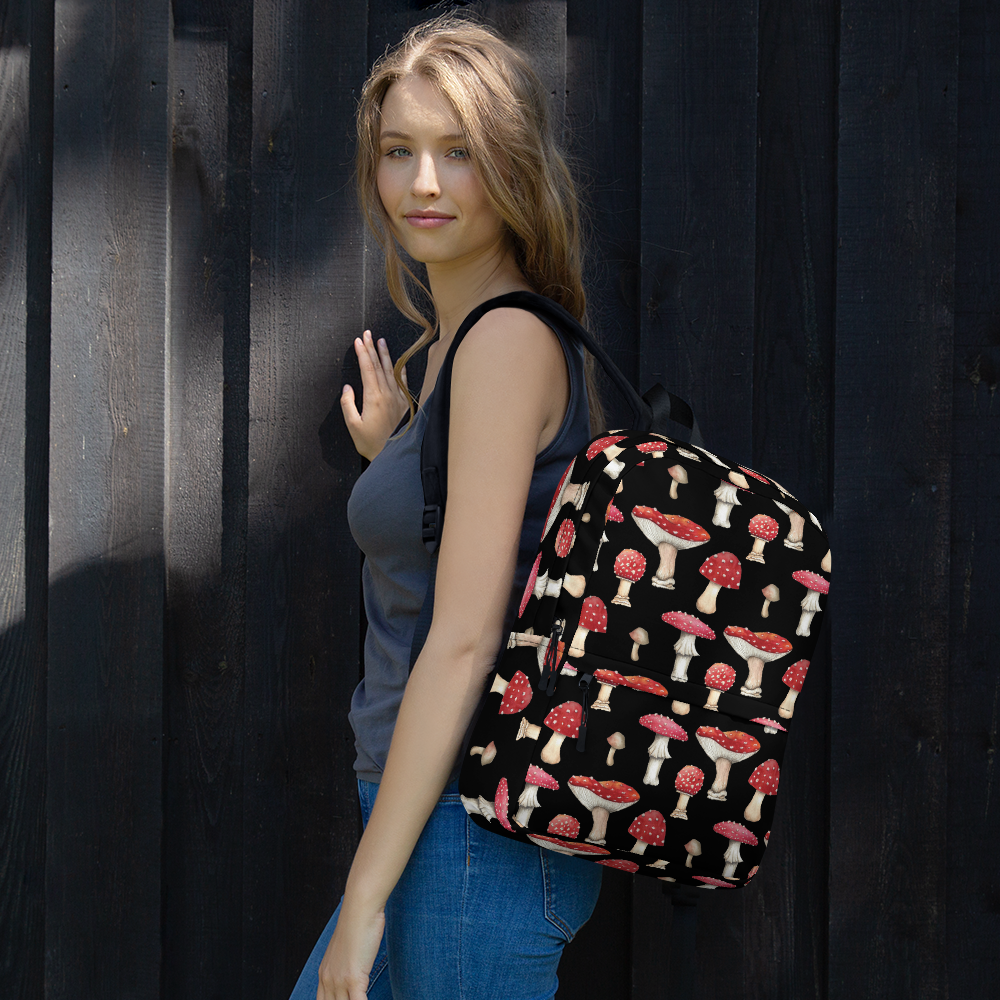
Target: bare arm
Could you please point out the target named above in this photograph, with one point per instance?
(502, 398)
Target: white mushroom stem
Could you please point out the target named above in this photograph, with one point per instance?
(706, 604)
(756, 554)
(601, 702)
(528, 729)
(635, 652)
(752, 811)
(793, 540)
(527, 800)
(614, 466)
(786, 708)
(604, 538)
(664, 576)
(717, 793)
(622, 596)
(486, 809)
(752, 687)
(471, 804)
(726, 499)
(550, 752)
(732, 859)
(658, 752)
(764, 613)
(596, 835)
(713, 699)
(553, 587)
(809, 605)
(579, 638)
(826, 564)
(574, 584)
(681, 811)
(541, 581)
(680, 707)
(684, 648)
(640, 847)
(659, 863)
(499, 685)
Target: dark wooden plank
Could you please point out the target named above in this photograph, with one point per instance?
(698, 156)
(300, 801)
(109, 267)
(25, 207)
(892, 494)
(973, 909)
(786, 930)
(211, 94)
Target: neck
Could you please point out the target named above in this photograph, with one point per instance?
(457, 287)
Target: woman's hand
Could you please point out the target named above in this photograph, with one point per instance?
(383, 405)
(350, 955)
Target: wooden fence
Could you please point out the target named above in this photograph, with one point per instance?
(796, 224)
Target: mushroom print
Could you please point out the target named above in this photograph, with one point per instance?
(719, 677)
(739, 479)
(500, 804)
(665, 730)
(826, 563)
(688, 782)
(691, 628)
(593, 618)
(528, 730)
(564, 825)
(763, 529)
(737, 834)
(648, 828)
(645, 684)
(528, 799)
(771, 596)
(602, 798)
(639, 637)
(609, 445)
(693, 847)
(689, 454)
(757, 648)
(815, 585)
(563, 544)
(679, 476)
(626, 866)
(629, 567)
(725, 749)
(793, 540)
(654, 448)
(609, 680)
(516, 693)
(617, 742)
(532, 576)
(770, 725)
(566, 846)
(612, 514)
(764, 781)
(563, 720)
(722, 570)
(558, 499)
(726, 500)
(488, 752)
(794, 676)
(713, 883)
(669, 533)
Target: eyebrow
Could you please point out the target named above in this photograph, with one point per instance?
(392, 134)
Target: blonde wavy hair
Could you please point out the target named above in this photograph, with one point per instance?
(502, 108)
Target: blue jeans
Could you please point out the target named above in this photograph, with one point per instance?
(474, 916)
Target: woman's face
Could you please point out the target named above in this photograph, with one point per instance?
(436, 205)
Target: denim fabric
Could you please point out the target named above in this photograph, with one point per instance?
(475, 916)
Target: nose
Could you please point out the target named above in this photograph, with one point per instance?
(425, 181)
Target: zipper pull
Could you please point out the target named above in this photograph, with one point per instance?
(581, 739)
(550, 663)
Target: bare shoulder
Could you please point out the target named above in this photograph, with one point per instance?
(509, 339)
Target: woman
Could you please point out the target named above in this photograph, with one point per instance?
(456, 166)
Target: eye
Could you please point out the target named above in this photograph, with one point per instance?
(397, 152)
(459, 154)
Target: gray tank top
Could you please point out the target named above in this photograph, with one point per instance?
(384, 513)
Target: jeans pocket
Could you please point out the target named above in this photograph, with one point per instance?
(571, 890)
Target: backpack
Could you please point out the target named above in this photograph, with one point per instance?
(638, 716)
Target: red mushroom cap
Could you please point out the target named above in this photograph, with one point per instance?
(500, 805)
(735, 831)
(575, 846)
(663, 725)
(732, 740)
(795, 675)
(762, 526)
(613, 791)
(649, 827)
(648, 447)
(594, 615)
(630, 565)
(645, 684)
(750, 472)
(812, 581)
(565, 718)
(689, 779)
(625, 866)
(724, 569)
(532, 577)
(608, 677)
(673, 524)
(564, 825)
(614, 514)
(766, 642)
(708, 880)
(604, 442)
(516, 695)
(689, 623)
(541, 778)
(720, 677)
(556, 496)
(765, 777)
(565, 538)
(770, 722)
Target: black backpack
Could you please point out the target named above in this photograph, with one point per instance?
(638, 715)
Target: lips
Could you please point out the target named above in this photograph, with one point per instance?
(428, 220)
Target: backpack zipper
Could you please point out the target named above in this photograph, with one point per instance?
(581, 738)
(550, 664)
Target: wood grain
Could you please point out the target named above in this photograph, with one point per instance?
(109, 268)
(892, 493)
